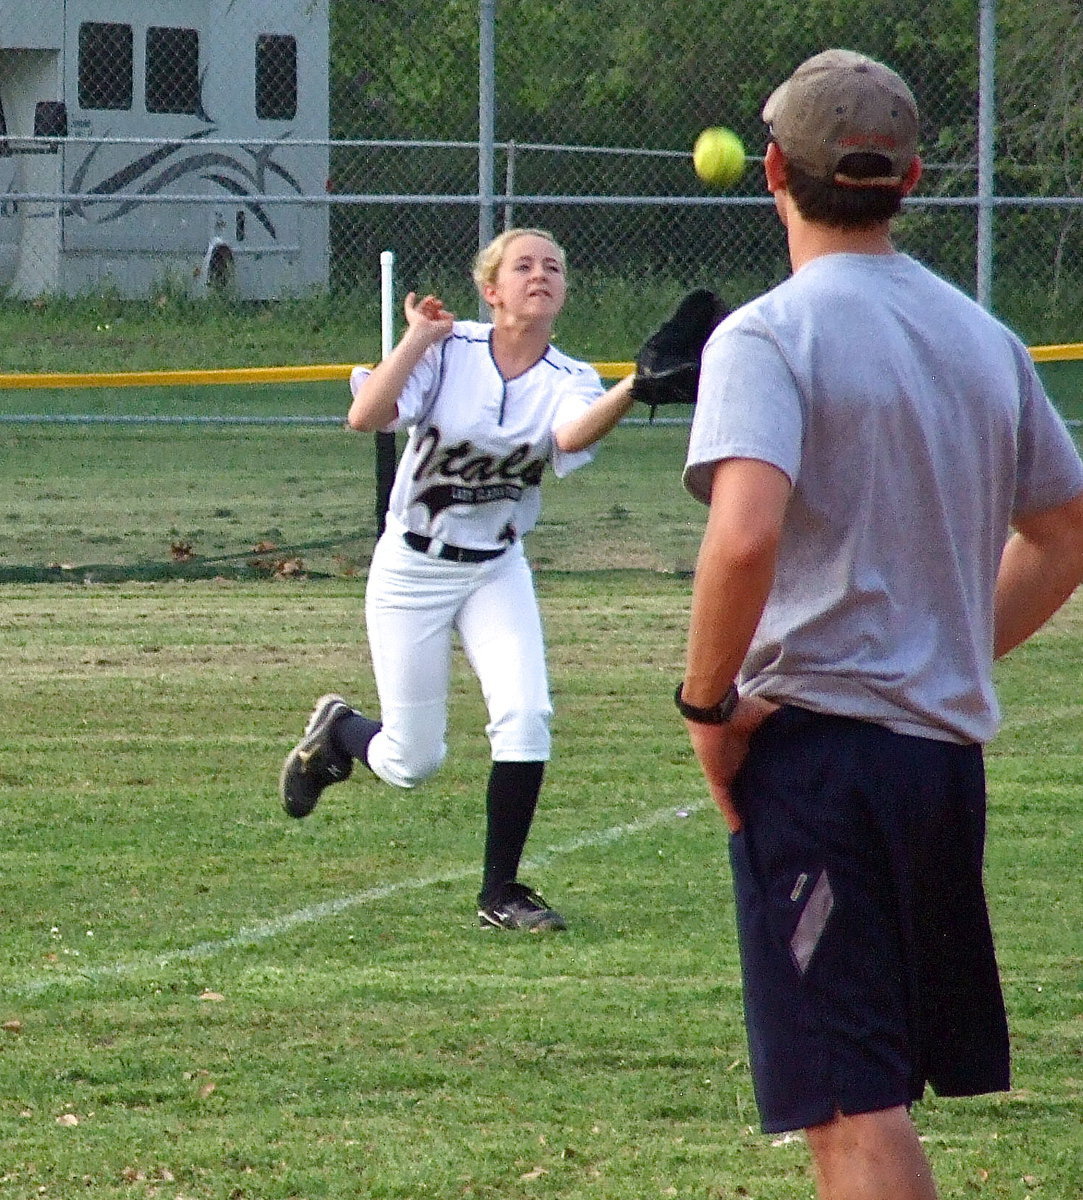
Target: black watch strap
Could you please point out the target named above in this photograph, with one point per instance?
(717, 714)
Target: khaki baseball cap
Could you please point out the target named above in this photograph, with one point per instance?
(838, 103)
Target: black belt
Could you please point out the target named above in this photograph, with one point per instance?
(459, 554)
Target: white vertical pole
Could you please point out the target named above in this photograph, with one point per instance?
(385, 442)
(387, 302)
(987, 48)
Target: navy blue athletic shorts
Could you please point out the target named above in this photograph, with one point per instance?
(866, 951)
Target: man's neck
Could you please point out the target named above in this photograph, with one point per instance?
(809, 240)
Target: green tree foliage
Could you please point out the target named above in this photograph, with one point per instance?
(404, 68)
(1040, 133)
(654, 73)
(1040, 94)
(651, 73)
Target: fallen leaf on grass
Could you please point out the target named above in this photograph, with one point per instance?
(280, 565)
(67, 1119)
(537, 1173)
(207, 994)
(13, 1026)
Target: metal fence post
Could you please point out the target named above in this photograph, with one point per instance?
(486, 118)
(509, 185)
(987, 50)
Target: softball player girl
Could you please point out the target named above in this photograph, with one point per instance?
(488, 406)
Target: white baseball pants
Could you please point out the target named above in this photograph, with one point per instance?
(413, 603)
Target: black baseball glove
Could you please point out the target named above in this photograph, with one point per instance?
(667, 365)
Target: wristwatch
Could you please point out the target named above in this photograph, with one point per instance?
(717, 714)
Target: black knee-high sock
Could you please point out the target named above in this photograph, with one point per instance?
(351, 735)
(510, 801)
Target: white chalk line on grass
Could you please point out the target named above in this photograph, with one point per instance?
(252, 934)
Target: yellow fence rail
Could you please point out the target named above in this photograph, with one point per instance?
(319, 373)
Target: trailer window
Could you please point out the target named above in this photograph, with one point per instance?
(276, 77)
(172, 70)
(105, 65)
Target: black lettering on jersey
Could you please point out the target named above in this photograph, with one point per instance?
(453, 469)
(444, 495)
(510, 465)
(481, 467)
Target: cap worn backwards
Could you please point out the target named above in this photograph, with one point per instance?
(839, 103)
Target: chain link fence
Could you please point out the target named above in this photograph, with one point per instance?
(275, 148)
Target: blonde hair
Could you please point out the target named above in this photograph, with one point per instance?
(489, 258)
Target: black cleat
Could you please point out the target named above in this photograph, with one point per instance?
(314, 763)
(518, 907)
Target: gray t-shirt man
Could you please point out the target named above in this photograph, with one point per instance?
(904, 415)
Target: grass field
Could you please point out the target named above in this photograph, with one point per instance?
(201, 998)
(150, 502)
(107, 502)
(606, 318)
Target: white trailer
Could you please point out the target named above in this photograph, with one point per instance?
(222, 104)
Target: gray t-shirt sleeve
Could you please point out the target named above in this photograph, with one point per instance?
(754, 409)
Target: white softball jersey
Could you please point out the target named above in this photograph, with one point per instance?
(478, 444)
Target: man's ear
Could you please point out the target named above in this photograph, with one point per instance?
(774, 167)
(913, 174)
